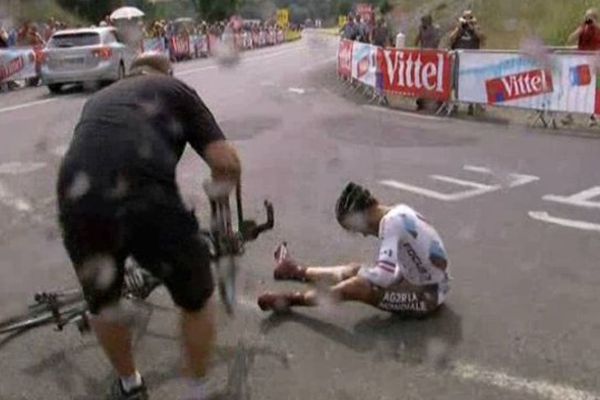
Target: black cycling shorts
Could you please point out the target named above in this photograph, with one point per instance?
(162, 236)
(408, 300)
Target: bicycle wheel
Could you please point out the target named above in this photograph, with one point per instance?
(41, 314)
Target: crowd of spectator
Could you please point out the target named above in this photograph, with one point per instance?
(29, 33)
(189, 27)
(467, 34)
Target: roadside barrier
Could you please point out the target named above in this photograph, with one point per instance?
(558, 81)
(17, 63)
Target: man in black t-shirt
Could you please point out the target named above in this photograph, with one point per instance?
(118, 197)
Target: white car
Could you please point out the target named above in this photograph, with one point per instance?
(85, 55)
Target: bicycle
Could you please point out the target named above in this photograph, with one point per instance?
(61, 308)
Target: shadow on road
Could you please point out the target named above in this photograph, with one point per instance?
(415, 341)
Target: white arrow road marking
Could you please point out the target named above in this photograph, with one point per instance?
(516, 179)
(10, 200)
(571, 223)
(581, 199)
(520, 180)
(18, 168)
(477, 189)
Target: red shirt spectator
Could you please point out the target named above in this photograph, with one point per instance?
(587, 35)
(589, 39)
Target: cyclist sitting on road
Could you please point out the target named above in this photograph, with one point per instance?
(118, 197)
(410, 275)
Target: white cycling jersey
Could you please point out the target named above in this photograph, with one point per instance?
(411, 250)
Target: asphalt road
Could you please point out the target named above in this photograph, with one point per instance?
(521, 321)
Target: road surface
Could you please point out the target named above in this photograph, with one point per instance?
(518, 210)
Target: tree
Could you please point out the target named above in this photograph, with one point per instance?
(216, 10)
(91, 10)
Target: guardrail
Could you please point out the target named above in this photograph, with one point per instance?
(553, 81)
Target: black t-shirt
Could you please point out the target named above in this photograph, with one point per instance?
(134, 132)
(467, 39)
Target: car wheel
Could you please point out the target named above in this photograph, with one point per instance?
(55, 88)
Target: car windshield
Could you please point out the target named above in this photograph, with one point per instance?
(75, 40)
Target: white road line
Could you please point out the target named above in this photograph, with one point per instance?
(581, 199)
(26, 105)
(520, 180)
(541, 388)
(423, 191)
(18, 168)
(475, 168)
(570, 223)
(460, 182)
(194, 70)
(296, 90)
(406, 114)
(242, 60)
(10, 200)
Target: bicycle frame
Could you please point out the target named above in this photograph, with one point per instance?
(229, 244)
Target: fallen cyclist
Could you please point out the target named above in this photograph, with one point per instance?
(409, 277)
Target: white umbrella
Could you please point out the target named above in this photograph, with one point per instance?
(126, 13)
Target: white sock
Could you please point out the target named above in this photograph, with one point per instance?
(196, 389)
(131, 382)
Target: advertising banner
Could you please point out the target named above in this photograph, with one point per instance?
(17, 63)
(416, 73)
(364, 63)
(345, 58)
(155, 45)
(283, 17)
(566, 82)
(180, 47)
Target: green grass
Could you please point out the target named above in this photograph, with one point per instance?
(506, 22)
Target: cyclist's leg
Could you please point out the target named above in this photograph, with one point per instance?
(355, 288)
(286, 268)
(332, 275)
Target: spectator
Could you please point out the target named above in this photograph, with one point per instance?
(350, 30)
(587, 36)
(12, 37)
(467, 35)
(381, 34)
(363, 31)
(3, 38)
(429, 35)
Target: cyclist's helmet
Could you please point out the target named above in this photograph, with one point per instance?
(354, 199)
